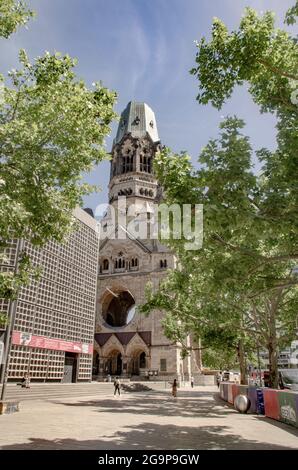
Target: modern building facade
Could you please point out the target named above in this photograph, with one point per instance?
(287, 358)
(54, 325)
(126, 342)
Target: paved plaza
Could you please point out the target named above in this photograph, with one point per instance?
(151, 420)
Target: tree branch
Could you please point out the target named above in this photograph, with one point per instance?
(276, 70)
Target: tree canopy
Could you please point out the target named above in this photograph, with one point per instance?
(241, 284)
(12, 15)
(52, 130)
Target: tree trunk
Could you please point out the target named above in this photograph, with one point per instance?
(273, 364)
(199, 355)
(242, 362)
(273, 341)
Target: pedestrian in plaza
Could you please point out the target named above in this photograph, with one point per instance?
(174, 388)
(218, 379)
(191, 381)
(117, 386)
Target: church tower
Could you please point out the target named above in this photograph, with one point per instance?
(128, 343)
(133, 152)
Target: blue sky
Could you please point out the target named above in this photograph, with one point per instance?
(144, 49)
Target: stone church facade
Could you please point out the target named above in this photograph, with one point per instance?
(128, 343)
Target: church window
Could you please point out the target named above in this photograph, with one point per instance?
(127, 163)
(145, 163)
(165, 263)
(161, 263)
(119, 263)
(130, 163)
(123, 165)
(105, 264)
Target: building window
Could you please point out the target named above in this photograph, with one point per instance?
(163, 263)
(119, 263)
(105, 266)
(127, 163)
(145, 164)
(163, 365)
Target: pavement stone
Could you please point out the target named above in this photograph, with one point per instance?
(153, 420)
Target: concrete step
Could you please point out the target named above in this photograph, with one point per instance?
(48, 391)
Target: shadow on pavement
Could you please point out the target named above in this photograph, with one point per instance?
(186, 405)
(150, 436)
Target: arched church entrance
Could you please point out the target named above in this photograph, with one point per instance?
(138, 363)
(114, 363)
(95, 366)
(119, 364)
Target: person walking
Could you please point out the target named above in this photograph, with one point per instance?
(174, 388)
(191, 381)
(117, 386)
